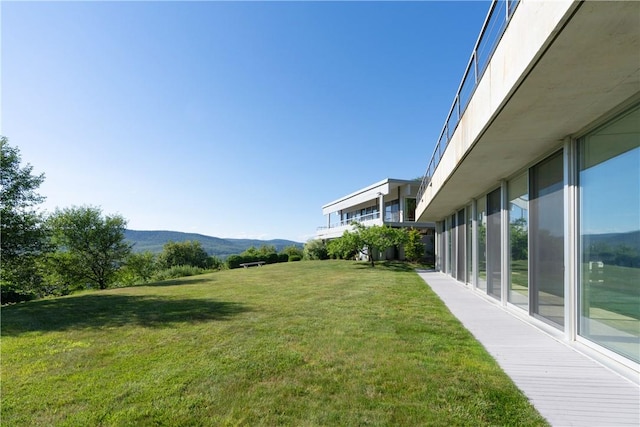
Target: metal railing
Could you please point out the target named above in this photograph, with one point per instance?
(492, 30)
(358, 218)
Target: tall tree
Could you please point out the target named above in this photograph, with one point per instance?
(184, 253)
(23, 237)
(92, 247)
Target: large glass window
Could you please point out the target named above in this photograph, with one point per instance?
(518, 192)
(494, 243)
(546, 228)
(481, 221)
(410, 209)
(461, 251)
(454, 247)
(609, 182)
(392, 211)
(469, 245)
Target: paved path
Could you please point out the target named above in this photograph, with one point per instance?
(567, 387)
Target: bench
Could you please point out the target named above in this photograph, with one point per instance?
(251, 264)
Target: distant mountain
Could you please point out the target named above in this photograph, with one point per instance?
(154, 241)
(631, 239)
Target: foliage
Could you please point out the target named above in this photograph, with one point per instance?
(297, 344)
(184, 253)
(266, 253)
(260, 253)
(315, 249)
(345, 247)
(178, 271)
(91, 248)
(294, 258)
(293, 251)
(138, 268)
(23, 236)
(377, 239)
(519, 237)
(413, 247)
(234, 261)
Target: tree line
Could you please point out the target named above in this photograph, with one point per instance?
(78, 248)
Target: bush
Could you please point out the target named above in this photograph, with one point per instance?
(315, 249)
(178, 271)
(234, 261)
(294, 258)
(271, 258)
(283, 257)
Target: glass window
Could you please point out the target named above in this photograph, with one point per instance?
(469, 245)
(392, 211)
(453, 250)
(546, 231)
(410, 209)
(518, 194)
(481, 217)
(494, 244)
(609, 212)
(461, 252)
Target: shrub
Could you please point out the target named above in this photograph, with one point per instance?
(294, 258)
(315, 249)
(271, 258)
(234, 261)
(283, 257)
(178, 271)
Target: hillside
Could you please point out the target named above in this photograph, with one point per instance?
(154, 241)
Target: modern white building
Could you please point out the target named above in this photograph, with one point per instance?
(534, 184)
(390, 202)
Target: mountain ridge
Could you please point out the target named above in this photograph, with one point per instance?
(154, 241)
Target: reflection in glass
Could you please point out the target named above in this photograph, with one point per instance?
(494, 244)
(481, 217)
(609, 164)
(519, 241)
(460, 254)
(546, 231)
(469, 245)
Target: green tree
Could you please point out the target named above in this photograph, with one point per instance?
(345, 247)
(92, 247)
(184, 253)
(23, 236)
(518, 234)
(315, 249)
(138, 268)
(414, 248)
(378, 238)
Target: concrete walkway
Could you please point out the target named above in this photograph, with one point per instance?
(567, 387)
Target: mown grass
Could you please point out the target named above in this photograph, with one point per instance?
(301, 344)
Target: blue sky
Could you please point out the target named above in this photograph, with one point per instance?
(230, 119)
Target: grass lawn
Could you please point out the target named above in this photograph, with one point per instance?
(303, 344)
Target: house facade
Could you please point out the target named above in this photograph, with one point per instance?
(390, 202)
(534, 184)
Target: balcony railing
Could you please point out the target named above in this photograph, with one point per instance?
(492, 30)
(359, 218)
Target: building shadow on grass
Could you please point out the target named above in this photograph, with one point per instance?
(96, 311)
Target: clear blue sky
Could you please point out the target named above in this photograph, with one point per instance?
(230, 119)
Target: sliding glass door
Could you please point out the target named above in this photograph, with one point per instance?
(546, 206)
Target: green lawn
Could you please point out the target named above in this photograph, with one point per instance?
(303, 344)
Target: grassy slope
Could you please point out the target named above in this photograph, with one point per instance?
(308, 343)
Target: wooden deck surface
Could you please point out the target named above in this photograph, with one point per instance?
(567, 387)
